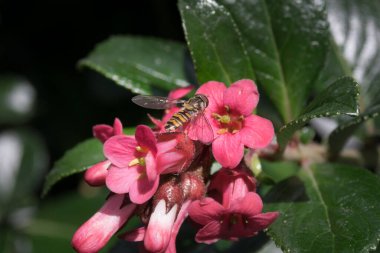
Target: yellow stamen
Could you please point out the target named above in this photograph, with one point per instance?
(141, 149)
(227, 108)
(225, 119)
(222, 131)
(142, 161)
(137, 161)
(134, 162)
(216, 116)
(235, 131)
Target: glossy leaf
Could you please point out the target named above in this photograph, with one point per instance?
(215, 42)
(76, 160)
(278, 171)
(341, 214)
(284, 42)
(339, 98)
(340, 135)
(138, 63)
(17, 99)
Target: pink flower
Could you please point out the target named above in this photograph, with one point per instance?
(173, 95)
(182, 215)
(96, 232)
(230, 115)
(103, 132)
(138, 162)
(228, 185)
(243, 218)
(158, 238)
(159, 229)
(133, 168)
(96, 174)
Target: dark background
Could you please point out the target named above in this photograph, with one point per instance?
(43, 41)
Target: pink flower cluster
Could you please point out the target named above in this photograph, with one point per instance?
(165, 177)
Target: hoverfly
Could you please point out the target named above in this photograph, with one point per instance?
(190, 116)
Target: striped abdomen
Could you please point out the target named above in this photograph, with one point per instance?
(180, 119)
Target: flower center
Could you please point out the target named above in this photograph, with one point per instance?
(229, 122)
(234, 219)
(140, 160)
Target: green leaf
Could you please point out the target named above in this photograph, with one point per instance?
(335, 67)
(340, 135)
(278, 171)
(285, 43)
(215, 42)
(76, 160)
(138, 63)
(339, 98)
(341, 214)
(17, 99)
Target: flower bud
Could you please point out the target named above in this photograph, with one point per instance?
(97, 231)
(159, 229)
(170, 190)
(229, 184)
(96, 174)
(193, 186)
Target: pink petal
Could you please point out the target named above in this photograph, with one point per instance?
(246, 84)
(117, 127)
(119, 180)
(158, 232)
(250, 205)
(205, 211)
(143, 189)
(257, 132)
(241, 97)
(262, 220)
(158, 123)
(96, 232)
(201, 130)
(209, 234)
(136, 235)
(175, 152)
(102, 132)
(96, 174)
(145, 137)
(231, 184)
(214, 92)
(181, 216)
(120, 150)
(151, 167)
(228, 150)
(180, 92)
(171, 162)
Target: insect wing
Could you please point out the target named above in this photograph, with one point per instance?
(200, 129)
(156, 102)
